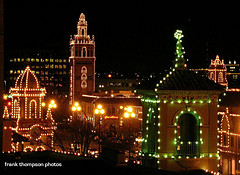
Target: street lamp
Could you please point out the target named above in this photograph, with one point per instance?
(128, 115)
(76, 107)
(99, 111)
(52, 104)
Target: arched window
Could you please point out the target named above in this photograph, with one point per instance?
(84, 69)
(33, 109)
(84, 52)
(220, 77)
(84, 76)
(82, 33)
(84, 84)
(16, 109)
(188, 136)
(211, 76)
(225, 127)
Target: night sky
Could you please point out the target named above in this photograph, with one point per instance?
(134, 36)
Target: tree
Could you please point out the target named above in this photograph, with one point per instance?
(75, 135)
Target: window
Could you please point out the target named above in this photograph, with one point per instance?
(188, 136)
(84, 52)
(33, 109)
(211, 76)
(235, 77)
(82, 31)
(84, 70)
(220, 77)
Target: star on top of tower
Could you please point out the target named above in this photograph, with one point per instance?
(179, 62)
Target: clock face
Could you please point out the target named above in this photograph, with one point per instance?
(35, 132)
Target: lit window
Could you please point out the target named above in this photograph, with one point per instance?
(37, 60)
(220, 77)
(235, 77)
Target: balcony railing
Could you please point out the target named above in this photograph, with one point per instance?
(188, 148)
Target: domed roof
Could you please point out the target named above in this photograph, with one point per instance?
(27, 80)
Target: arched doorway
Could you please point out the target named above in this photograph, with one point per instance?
(188, 139)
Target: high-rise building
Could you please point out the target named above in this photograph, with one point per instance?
(51, 68)
(82, 62)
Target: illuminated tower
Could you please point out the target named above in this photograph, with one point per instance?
(217, 71)
(82, 62)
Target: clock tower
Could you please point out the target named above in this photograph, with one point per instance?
(82, 62)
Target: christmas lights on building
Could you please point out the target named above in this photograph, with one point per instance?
(27, 114)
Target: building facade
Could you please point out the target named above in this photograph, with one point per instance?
(180, 120)
(27, 119)
(82, 62)
(228, 132)
(217, 71)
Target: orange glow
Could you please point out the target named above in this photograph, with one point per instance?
(111, 117)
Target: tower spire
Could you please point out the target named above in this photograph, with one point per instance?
(82, 25)
(179, 62)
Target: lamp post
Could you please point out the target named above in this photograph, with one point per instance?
(51, 105)
(99, 111)
(128, 115)
(76, 107)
